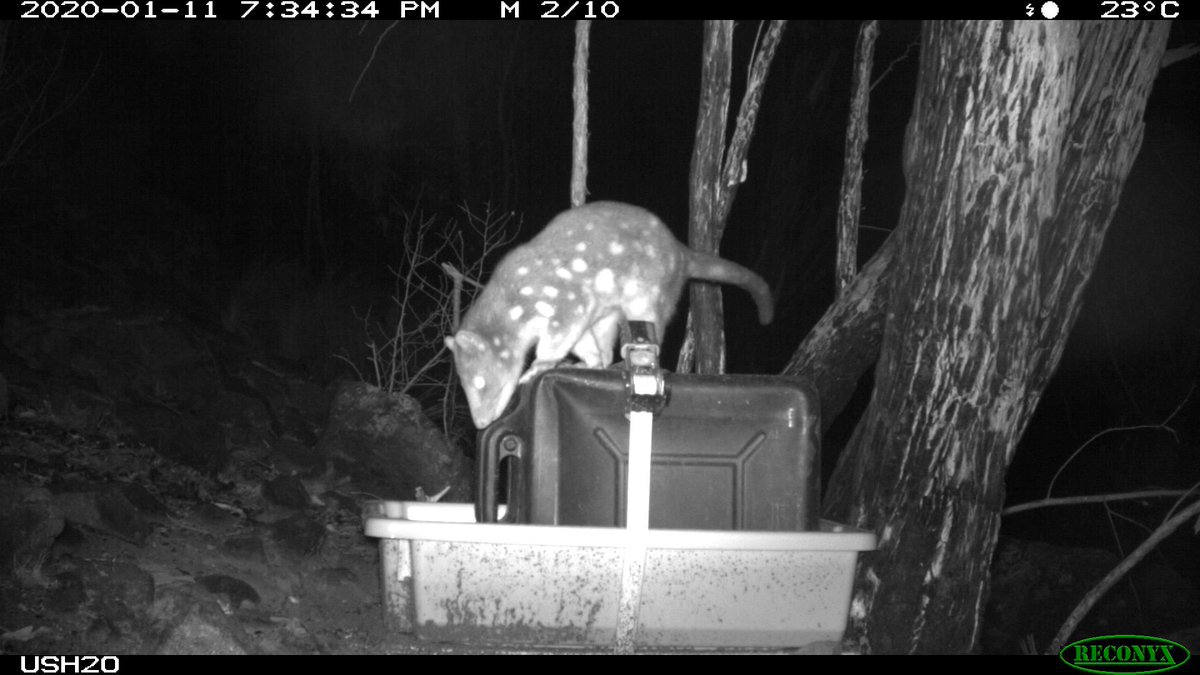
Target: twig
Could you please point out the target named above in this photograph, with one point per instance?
(1090, 499)
(1161, 425)
(370, 60)
(1093, 596)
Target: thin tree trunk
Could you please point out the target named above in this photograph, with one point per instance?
(716, 172)
(579, 125)
(705, 331)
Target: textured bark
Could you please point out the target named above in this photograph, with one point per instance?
(579, 125)
(704, 319)
(1022, 137)
(852, 174)
(715, 175)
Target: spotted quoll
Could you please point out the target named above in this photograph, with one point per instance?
(567, 291)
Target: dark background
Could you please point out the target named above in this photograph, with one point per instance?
(179, 159)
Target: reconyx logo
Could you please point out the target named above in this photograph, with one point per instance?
(1124, 654)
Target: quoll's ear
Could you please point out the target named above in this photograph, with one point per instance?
(466, 341)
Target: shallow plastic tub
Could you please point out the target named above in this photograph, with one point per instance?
(447, 578)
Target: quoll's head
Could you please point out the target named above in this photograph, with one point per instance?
(487, 379)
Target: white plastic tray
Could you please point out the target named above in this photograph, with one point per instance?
(447, 578)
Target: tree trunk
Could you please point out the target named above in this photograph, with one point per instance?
(1021, 139)
(716, 172)
(705, 324)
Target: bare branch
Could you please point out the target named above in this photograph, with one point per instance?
(408, 355)
(34, 112)
(1091, 499)
(1093, 596)
(371, 59)
(1161, 425)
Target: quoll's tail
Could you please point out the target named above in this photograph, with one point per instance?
(711, 268)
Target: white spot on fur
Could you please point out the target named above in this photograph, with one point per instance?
(544, 308)
(571, 295)
(522, 271)
(516, 312)
(616, 248)
(562, 273)
(631, 288)
(526, 290)
(505, 354)
(550, 291)
(496, 341)
(534, 327)
(588, 227)
(579, 265)
(604, 281)
(478, 382)
(651, 252)
(581, 246)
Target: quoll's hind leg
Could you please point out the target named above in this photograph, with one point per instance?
(595, 347)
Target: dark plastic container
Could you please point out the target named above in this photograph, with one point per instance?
(729, 452)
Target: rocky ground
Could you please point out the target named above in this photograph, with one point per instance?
(163, 492)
